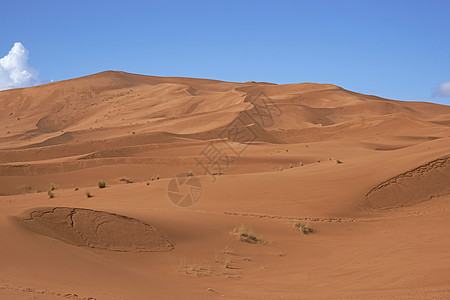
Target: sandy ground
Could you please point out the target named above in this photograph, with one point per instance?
(369, 176)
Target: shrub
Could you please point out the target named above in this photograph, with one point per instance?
(101, 184)
(246, 235)
(88, 194)
(52, 187)
(189, 173)
(50, 194)
(126, 180)
(303, 227)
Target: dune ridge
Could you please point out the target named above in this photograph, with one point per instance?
(188, 166)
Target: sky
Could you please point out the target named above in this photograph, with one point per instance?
(393, 49)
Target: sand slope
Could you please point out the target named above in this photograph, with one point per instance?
(371, 176)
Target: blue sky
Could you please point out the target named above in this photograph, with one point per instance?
(394, 49)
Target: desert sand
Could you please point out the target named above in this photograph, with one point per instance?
(369, 176)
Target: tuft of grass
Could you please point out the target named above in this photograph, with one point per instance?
(52, 187)
(303, 227)
(88, 194)
(189, 173)
(291, 166)
(101, 184)
(228, 250)
(227, 262)
(51, 195)
(300, 164)
(198, 269)
(246, 235)
(126, 180)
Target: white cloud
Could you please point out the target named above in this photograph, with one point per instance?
(15, 71)
(443, 90)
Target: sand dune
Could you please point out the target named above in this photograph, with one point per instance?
(370, 176)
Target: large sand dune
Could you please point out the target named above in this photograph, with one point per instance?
(371, 176)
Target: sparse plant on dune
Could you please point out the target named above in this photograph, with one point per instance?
(88, 194)
(101, 184)
(300, 164)
(246, 235)
(52, 187)
(197, 269)
(50, 190)
(304, 228)
(228, 250)
(337, 161)
(126, 180)
(228, 261)
(189, 173)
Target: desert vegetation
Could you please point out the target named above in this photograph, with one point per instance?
(303, 227)
(101, 184)
(247, 235)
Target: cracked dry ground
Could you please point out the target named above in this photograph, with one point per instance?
(95, 229)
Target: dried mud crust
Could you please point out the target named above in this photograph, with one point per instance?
(95, 229)
(417, 185)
